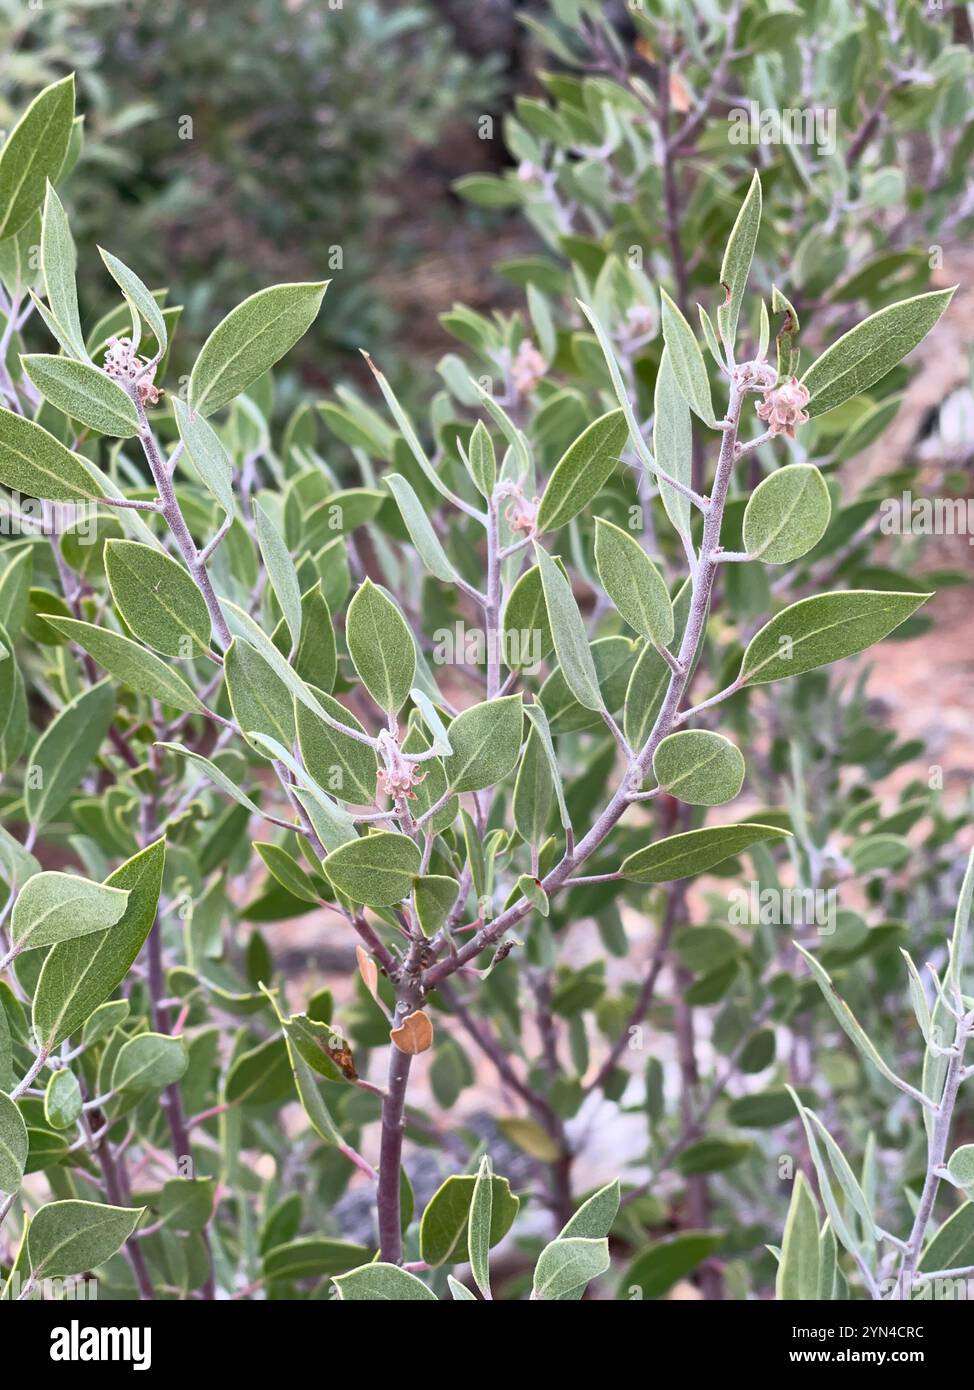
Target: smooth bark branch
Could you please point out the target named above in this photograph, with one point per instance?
(390, 1156)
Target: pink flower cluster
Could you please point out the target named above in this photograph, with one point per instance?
(400, 782)
(783, 407)
(122, 364)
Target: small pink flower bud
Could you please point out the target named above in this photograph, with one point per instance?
(122, 364)
(783, 407)
(528, 369)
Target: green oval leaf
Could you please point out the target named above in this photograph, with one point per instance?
(682, 856)
(62, 1100)
(35, 463)
(443, 1227)
(568, 1265)
(633, 583)
(83, 392)
(34, 152)
(382, 1283)
(340, 764)
(149, 1062)
(157, 598)
(70, 1237)
(699, 767)
(827, 627)
(377, 870)
(53, 907)
(582, 470)
(252, 337)
(787, 514)
(486, 741)
(14, 1144)
(381, 647)
(66, 749)
(79, 975)
(871, 349)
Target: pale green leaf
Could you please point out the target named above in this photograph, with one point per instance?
(71, 1237)
(280, 569)
(582, 470)
(13, 1144)
(673, 443)
(157, 599)
(382, 1283)
(79, 975)
(736, 265)
(381, 646)
(686, 361)
(58, 261)
(252, 337)
(36, 464)
(567, 1265)
(827, 627)
(53, 907)
(682, 856)
(633, 583)
(533, 791)
(478, 1227)
(66, 749)
(33, 153)
(84, 393)
(444, 1224)
(127, 661)
(568, 631)
(699, 767)
(867, 352)
(420, 529)
(149, 1062)
(797, 1276)
(486, 741)
(786, 514)
(206, 452)
(483, 459)
(140, 299)
(62, 1099)
(595, 1217)
(376, 870)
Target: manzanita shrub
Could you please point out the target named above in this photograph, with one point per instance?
(206, 635)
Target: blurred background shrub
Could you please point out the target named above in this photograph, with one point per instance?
(230, 145)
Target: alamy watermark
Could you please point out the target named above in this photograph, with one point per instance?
(72, 1288)
(29, 516)
(907, 515)
(518, 648)
(754, 906)
(755, 124)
